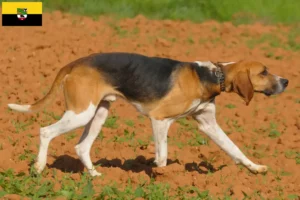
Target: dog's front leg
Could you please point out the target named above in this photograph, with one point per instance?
(208, 124)
(160, 132)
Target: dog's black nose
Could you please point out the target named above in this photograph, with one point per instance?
(284, 82)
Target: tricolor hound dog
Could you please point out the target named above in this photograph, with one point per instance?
(162, 89)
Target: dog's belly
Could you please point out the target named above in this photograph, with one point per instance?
(140, 108)
(196, 106)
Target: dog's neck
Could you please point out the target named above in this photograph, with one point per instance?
(221, 78)
(225, 78)
(221, 72)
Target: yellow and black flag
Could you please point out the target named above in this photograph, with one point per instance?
(22, 14)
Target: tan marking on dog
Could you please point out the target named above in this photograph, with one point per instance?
(186, 88)
(84, 85)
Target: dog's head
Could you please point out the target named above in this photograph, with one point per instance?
(247, 77)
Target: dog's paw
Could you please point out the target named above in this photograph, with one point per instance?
(258, 169)
(38, 167)
(262, 169)
(94, 173)
(161, 162)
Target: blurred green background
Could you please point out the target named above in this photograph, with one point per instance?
(237, 11)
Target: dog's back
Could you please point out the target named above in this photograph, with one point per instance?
(138, 77)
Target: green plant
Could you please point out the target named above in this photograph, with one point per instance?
(129, 123)
(238, 11)
(292, 154)
(230, 106)
(293, 196)
(118, 30)
(21, 126)
(274, 133)
(111, 122)
(197, 140)
(70, 136)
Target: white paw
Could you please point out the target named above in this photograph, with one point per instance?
(258, 168)
(39, 167)
(94, 173)
(161, 162)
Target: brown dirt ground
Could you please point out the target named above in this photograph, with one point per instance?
(31, 57)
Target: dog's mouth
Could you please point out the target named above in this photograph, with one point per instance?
(267, 93)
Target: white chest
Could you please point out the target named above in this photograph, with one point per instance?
(195, 106)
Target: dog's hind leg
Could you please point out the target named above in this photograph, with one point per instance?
(81, 102)
(89, 135)
(68, 122)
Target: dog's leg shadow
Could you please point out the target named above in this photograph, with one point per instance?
(203, 167)
(136, 165)
(66, 163)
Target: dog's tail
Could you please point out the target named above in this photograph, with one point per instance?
(49, 96)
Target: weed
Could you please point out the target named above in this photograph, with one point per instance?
(269, 54)
(128, 136)
(129, 123)
(269, 39)
(279, 173)
(259, 153)
(292, 39)
(135, 31)
(271, 110)
(292, 154)
(275, 154)
(202, 41)
(198, 11)
(230, 106)
(143, 144)
(197, 140)
(21, 126)
(141, 118)
(118, 30)
(214, 29)
(183, 122)
(27, 155)
(293, 197)
(237, 126)
(274, 133)
(12, 142)
(111, 122)
(190, 40)
(101, 136)
(70, 136)
(23, 185)
(179, 144)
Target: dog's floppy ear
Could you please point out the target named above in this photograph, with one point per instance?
(243, 87)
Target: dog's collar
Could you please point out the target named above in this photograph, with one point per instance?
(221, 78)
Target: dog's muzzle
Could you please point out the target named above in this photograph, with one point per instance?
(282, 83)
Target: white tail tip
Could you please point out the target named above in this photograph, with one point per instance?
(20, 108)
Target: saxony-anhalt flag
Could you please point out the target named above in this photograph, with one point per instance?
(21, 13)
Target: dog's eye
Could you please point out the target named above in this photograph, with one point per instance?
(264, 73)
